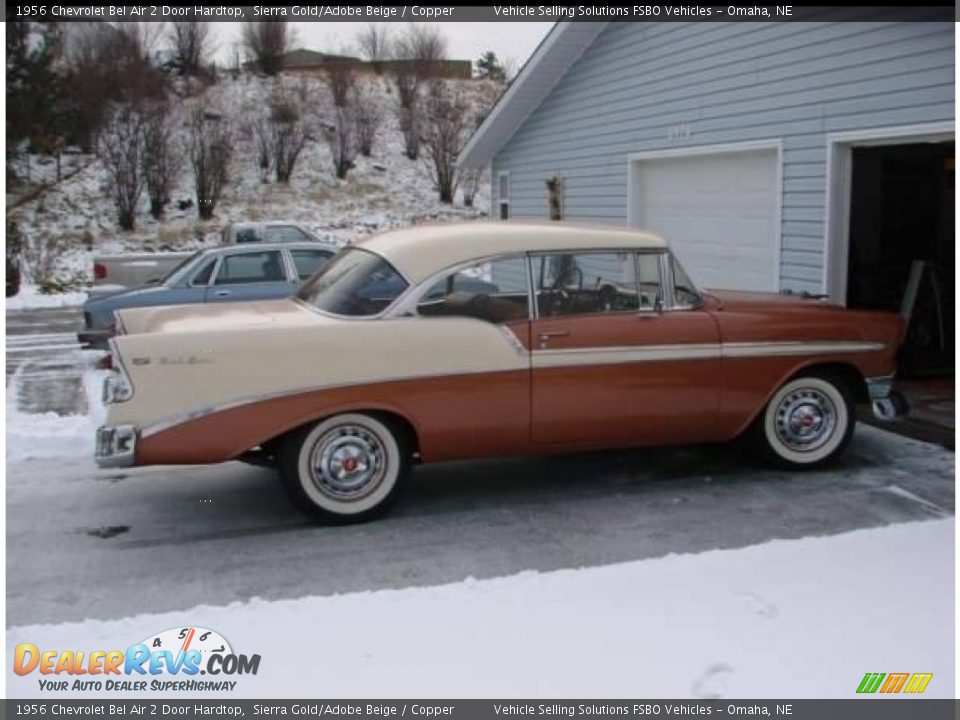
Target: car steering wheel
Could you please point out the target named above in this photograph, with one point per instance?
(559, 298)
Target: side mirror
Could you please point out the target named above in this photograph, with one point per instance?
(152, 281)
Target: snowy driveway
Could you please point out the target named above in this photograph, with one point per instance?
(88, 543)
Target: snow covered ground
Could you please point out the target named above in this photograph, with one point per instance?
(48, 434)
(793, 619)
(30, 298)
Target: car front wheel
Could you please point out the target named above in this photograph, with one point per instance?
(346, 468)
(808, 422)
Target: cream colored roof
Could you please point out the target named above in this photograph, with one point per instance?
(421, 251)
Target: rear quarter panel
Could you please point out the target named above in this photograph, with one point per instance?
(825, 335)
(206, 397)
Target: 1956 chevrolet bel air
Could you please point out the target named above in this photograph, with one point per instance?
(464, 341)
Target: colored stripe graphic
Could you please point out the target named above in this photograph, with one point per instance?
(870, 682)
(894, 682)
(918, 683)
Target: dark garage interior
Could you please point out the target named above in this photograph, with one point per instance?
(902, 248)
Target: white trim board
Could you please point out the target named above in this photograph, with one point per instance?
(839, 176)
(689, 151)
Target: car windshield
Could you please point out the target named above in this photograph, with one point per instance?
(174, 276)
(355, 283)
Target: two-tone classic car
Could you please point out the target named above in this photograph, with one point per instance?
(473, 340)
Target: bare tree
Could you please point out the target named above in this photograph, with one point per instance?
(407, 82)
(375, 42)
(160, 162)
(210, 148)
(341, 139)
(470, 179)
(341, 78)
(140, 39)
(511, 66)
(445, 131)
(260, 130)
(417, 51)
(425, 46)
(120, 149)
(368, 118)
(266, 43)
(190, 42)
(104, 64)
(410, 121)
(288, 135)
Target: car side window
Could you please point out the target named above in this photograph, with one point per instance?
(202, 276)
(495, 291)
(307, 261)
(584, 283)
(649, 285)
(284, 233)
(254, 267)
(685, 293)
(247, 234)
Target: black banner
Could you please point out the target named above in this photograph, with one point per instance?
(81, 11)
(858, 709)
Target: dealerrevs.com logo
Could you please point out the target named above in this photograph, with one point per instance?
(170, 661)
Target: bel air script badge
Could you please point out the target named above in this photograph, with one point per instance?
(185, 360)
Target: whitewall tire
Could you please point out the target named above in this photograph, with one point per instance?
(808, 422)
(346, 468)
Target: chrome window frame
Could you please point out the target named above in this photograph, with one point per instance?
(633, 252)
(213, 273)
(668, 269)
(292, 266)
(247, 250)
(386, 313)
(406, 304)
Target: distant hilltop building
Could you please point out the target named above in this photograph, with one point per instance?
(303, 60)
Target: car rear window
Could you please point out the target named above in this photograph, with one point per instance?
(355, 283)
(284, 233)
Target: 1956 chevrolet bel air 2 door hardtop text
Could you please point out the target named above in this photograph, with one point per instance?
(464, 341)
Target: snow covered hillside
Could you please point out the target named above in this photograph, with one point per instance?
(76, 219)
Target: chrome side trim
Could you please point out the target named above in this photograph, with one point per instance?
(772, 349)
(511, 338)
(572, 357)
(624, 355)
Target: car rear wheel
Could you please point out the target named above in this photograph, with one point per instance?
(347, 468)
(808, 422)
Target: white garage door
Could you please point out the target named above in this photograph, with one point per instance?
(718, 212)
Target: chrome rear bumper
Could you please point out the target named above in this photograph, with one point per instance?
(887, 403)
(116, 446)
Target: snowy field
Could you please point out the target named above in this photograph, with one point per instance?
(799, 619)
(76, 219)
(48, 434)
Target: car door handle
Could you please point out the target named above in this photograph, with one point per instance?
(222, 293)
(544, 336)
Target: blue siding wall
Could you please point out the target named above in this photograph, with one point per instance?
(729, 82)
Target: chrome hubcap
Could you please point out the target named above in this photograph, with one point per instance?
(348, 462)
(805, 419)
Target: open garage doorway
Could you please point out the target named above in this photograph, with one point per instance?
(902, 246)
